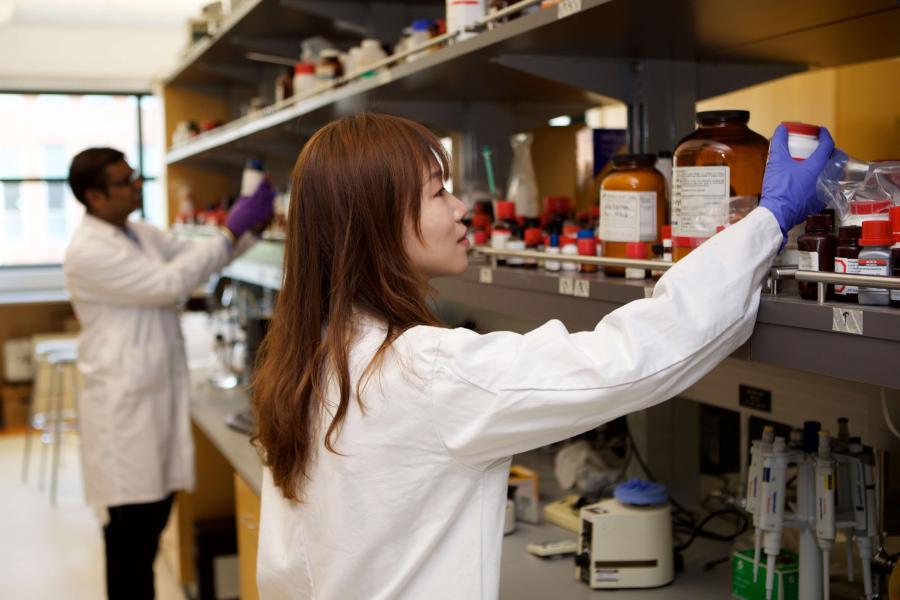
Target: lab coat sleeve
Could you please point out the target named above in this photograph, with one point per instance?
(498, 394)
(122, 276)
(172, 245)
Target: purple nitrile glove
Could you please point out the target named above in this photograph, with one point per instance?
(251, 211)
(789, 186)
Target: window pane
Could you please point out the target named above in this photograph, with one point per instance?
(35, 234)
(42, 132)
(152, 131)
(11, 197)
(156, 211)
(56, 195)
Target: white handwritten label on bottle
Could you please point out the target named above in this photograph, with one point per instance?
(700, 200)
(627, 216)
(849, 266)
(808, 261)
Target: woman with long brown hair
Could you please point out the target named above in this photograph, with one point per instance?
(387, 438)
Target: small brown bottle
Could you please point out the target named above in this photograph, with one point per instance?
(846, 260)
(817, 250)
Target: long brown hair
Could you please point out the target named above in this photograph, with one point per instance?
(356, 182)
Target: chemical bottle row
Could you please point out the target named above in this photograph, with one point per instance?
(716, 180)
(871, 247)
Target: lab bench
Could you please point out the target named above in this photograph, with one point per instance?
(522, 576)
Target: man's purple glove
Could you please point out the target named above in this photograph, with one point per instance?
(789, 186)
(251, 211)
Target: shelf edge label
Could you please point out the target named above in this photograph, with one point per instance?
(847, 320)
(567, 8)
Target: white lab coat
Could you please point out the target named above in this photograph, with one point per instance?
(134, 415)
(413, 505)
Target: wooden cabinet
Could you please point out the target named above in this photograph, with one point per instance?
(247, 516)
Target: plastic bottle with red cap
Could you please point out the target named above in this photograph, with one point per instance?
(875, 260)
(304, 81)
(895, 253)
(587, 246)
(867, 210)
(803, 139)
(636, 250)
(534, 240)
(503, 228)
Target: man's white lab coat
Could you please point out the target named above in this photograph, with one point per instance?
(134, 405)
(413, 505)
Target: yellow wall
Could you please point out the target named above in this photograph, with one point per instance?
(860, 105)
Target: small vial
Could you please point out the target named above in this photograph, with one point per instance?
(569, 249)
(875, 259)
(587, 246)
(553, 248)
(636, 250)
(534, 238)
(515, 261)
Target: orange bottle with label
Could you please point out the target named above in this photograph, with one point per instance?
(632, 206)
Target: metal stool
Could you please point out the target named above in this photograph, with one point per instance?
(47, 412)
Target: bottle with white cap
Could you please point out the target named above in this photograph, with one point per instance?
(803, 139)
(464, 13)
(253, 175)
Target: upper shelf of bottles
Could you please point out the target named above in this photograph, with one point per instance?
(799, 32)
(808, 32)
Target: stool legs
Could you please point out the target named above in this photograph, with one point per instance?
(29, 423)
(59, 375)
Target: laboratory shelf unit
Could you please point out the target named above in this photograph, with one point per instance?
(555, 61)
(847, 341)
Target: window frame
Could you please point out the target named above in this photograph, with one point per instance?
(139, 123)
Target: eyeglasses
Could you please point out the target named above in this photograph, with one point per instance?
(132, 179)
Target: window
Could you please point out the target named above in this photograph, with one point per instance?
(39, 136)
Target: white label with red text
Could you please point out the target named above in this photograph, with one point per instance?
(849, 266)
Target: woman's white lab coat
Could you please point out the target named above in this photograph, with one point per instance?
(133, 409)
(413, 505)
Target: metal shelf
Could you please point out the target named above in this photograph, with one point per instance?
(277, 27)
(847, 341)
(790, 332)
(543, 66)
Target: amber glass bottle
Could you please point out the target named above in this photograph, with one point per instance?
(717, 173)
(632, 206)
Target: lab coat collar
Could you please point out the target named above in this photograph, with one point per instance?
(105, 227)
